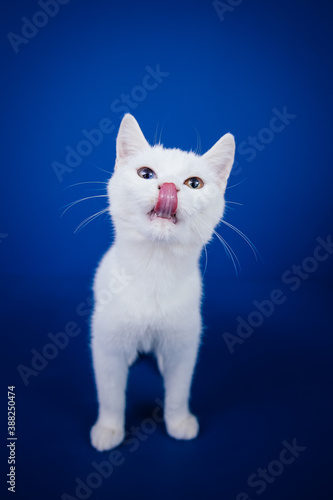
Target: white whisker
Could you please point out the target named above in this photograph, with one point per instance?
(86, 182)
(161, 132)
(70, 205)
(229, 251)
(245, 238)
(204, 245)
(99, 168)
(155, 135)
(235, 203)
(235, 185)
(198, 147)
(90, 219)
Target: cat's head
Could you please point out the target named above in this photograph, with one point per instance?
(167, 195)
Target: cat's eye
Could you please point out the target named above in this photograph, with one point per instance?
(194, 183)
(146, 173)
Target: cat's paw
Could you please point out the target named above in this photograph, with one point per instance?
(187, 428)
(105, 438)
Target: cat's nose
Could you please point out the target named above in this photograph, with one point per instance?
(167, 202)
(160, 185)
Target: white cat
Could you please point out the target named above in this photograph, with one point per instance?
(164, 204)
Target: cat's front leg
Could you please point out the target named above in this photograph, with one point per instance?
(111, 369)
(178, 365)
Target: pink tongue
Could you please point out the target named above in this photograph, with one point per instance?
(166, 205)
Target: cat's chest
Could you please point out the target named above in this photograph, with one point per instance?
(150, 292)
(158, 299)
(162, 289)
(159, 279)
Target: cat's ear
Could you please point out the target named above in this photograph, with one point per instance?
(221, 157)
(130, 139)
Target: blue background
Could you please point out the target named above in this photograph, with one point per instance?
(223, 75)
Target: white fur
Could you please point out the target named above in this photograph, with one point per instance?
(148, 287)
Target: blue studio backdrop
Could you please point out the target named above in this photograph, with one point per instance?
(189, 72)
